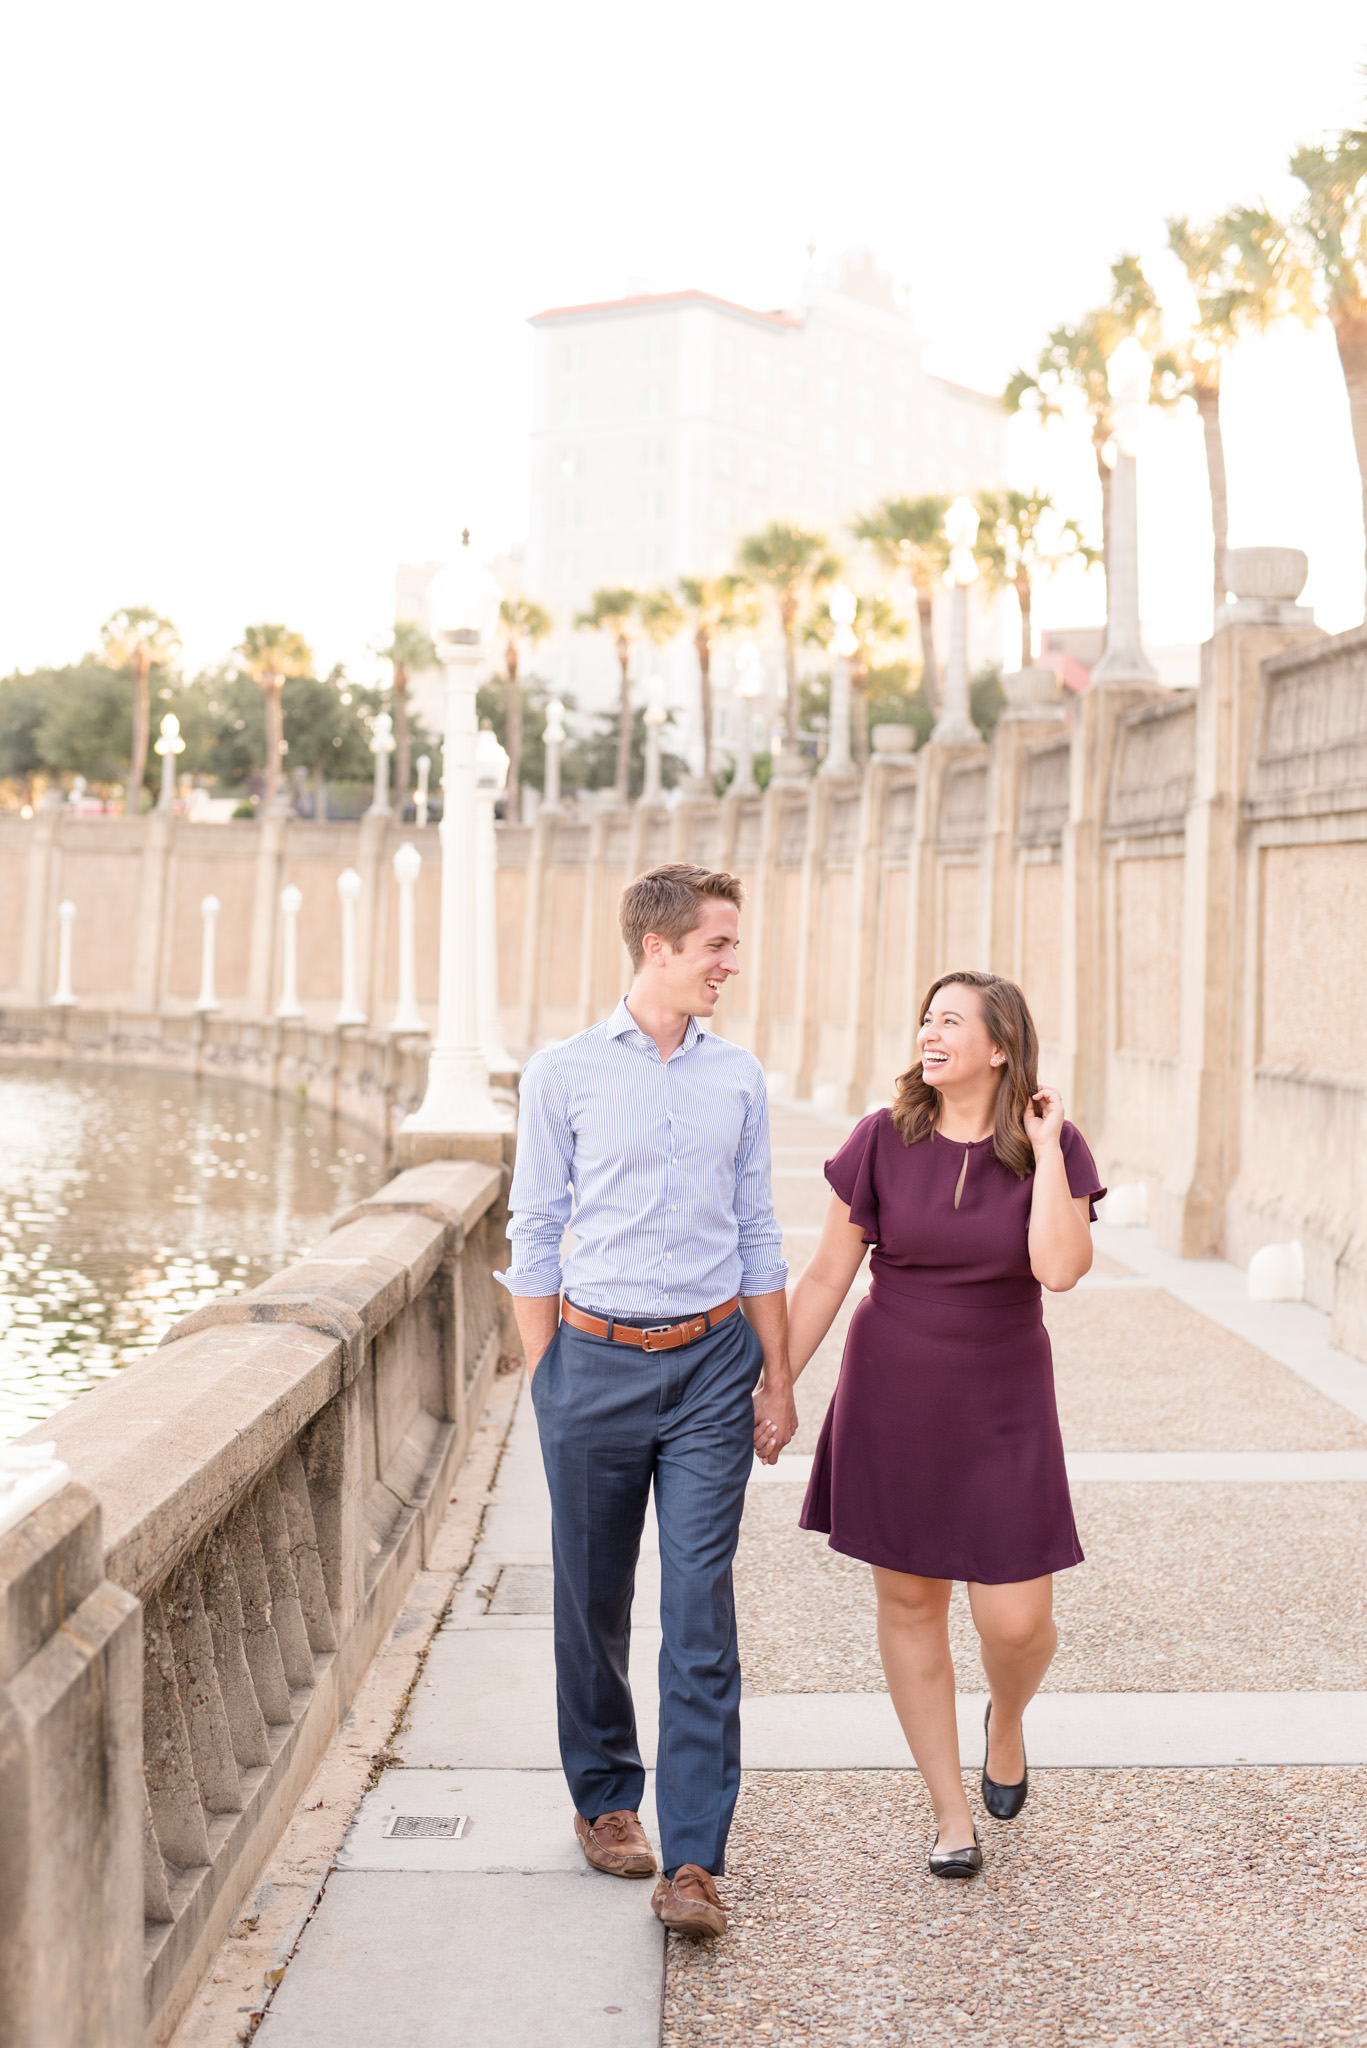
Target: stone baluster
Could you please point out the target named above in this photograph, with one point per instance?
(349, 1010)
(554, 737)
(207, 999)
(420, 795)
(62, 998)
(291, 903)
(407, 868)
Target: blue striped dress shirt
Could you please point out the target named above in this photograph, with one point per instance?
(668, 1164)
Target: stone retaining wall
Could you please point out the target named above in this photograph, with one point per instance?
(252, 1501)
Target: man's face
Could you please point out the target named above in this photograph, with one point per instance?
(691, 980)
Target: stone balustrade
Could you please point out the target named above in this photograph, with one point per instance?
(183, 1627)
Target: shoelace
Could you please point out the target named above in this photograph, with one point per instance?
(616, 1822)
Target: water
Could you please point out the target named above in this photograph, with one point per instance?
(128, 1199)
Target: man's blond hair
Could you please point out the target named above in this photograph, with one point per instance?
(669, 901)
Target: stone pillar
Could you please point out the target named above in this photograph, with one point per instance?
(37, 949)
(71, 1791)
(889, 766)
(1033, 712)
(270, 857)
(144, 994)
(811, 922)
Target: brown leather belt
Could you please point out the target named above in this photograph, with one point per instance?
(660, 1337)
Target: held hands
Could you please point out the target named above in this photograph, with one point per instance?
(775, 1420)
(1044, 1125)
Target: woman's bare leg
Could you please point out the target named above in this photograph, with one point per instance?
(1016, 1629)
(913, 1641)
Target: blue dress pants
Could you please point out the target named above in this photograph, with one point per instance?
(613, 1419)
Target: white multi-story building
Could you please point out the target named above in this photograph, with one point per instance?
(667, 426)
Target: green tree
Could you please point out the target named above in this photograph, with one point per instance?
(327, 725)
(138, 639)
(223, 722)
(614, 610)
(878, 628)
(23, 701)
(716, 607)
(792, 562)
(909, 534)
(409, 652)
(1074, 358)
(522, 620)
(270, 654)
(84, 726)
(1245, 273)
(1021, 542)
(1332, 222)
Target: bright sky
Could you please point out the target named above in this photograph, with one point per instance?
(268, 267)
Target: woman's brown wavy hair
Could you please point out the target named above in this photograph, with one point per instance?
(1005, 1012)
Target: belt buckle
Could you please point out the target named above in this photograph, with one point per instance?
(655, 1330)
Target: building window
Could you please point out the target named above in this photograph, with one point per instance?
(759, 418)
(830, 390)
(574, 357)
(655, 348)
(723, 511)
(571, 464)
(899, 462)
(649, 561)
(568, 568)
(759, 470)
(726, 407)
(793, 426)
(650, 508)
(573, 412)
(960, 435)
(652, 400)
(863, 450)
(794, 482)
(933, 424)
(794, 377)
(899, 413)
(868, 357)
(829, 441)
(834, 346)
(759, 366)
(726, 355)
(726, 461)
(654, 455)
(866, 405)
(570, 512)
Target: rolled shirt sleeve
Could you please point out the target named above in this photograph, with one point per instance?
(540, 1197)
(764, 1270)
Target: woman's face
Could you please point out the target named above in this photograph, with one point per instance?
(953, 1041)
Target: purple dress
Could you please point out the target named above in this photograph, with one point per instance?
(940, 1453)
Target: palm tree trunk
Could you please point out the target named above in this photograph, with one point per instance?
(1207, 398)
(142, 721)
(513, 722)
(704, 646)
(859, 714)
(1103, 470)
(1350, 332)
(793, 715)
(622, 781)
(930, 668)
(403, 741)
(272, 686)
(1023, 595)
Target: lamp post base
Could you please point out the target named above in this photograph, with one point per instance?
(956, 732)
(1124, 665)
(458, 1096)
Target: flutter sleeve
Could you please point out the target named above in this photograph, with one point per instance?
(1083, 1178)
(851, 1174)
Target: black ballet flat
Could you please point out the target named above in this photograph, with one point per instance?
(957, 1862)
(1003, 1802)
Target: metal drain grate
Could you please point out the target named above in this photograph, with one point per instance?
(414, 1827)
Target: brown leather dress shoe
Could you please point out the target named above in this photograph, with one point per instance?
(688, 1902)
(616, 1843)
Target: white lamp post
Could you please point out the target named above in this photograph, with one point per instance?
(168, 746)
(749, 682)
(842, 605)
(407, 868)
(349, 1010)
(554, 737)
(382, 745)
(291, 903)
(420, 796)
(464, 602)
(207, 998)
(656, 717)
(491, 779)
(954, 727)
(62, 997)
(1128, 373)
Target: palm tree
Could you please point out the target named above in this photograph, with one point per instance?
(1245, 274)
(878, 626)
(793, 562)
(409, 652)
(715, 607)
(614, 610)
(1021, 541)
(269, 654)
(1333, 224)
(139, 640)
(521, 619)
(909, 534)
(1075, 358)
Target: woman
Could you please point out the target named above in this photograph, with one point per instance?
(940, 1457)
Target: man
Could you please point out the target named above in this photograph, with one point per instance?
(667, 1364)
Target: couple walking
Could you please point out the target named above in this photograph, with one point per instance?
(670, 1361)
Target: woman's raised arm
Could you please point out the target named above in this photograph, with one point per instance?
(823, 1283)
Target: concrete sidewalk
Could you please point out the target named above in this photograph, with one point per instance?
(1190, 1866)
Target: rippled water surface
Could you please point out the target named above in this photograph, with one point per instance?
(127, 1199)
